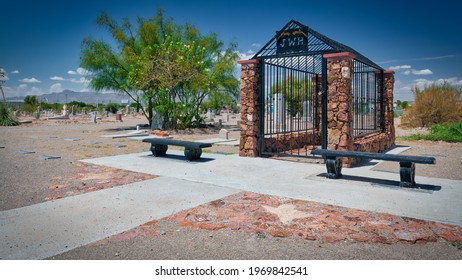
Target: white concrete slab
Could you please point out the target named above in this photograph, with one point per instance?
(132, 133)
(46, 229)
(362, 188)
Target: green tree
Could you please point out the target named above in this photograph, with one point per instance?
(296, 91)
(31, 100)
(171, 67)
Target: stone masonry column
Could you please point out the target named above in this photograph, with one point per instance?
(388, 104)
(340, 101)
(250, 111)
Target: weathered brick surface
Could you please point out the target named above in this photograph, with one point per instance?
(88, 178)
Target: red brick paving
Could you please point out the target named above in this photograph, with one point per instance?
(88, 178)
(326, 223)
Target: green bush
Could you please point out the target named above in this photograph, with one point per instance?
(440, 132)
(5, 116)
(112, 107)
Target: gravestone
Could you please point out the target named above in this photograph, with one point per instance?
(157, 121)
(93, 117)
(279, 108)
(73, 110)
(306, 109)
(224, 134)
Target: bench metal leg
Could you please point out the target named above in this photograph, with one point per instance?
(159, 150)
(407, 174)
(192, 153)
(334, 167)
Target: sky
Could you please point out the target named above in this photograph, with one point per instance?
(421, 41)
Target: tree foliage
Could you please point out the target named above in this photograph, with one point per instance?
(296, 91)
(172, 67)
(435, 104)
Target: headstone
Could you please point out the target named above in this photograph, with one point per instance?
(127, 110)
(208, 115)
(73, 110)
(64, 112)
(279, 108)
(157, 121)
(224, 134)
(93, 118)
(306, 109)
(225, 117)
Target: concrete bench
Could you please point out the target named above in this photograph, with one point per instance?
(406, 163)
(192, 150)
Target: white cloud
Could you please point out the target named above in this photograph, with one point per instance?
(15, 72)
(22, 90)
(57, 78)
(400, 67)
(418, 72)
(56, 88)
(245, 55)
(256, 45)
(79, 71)
(82, 80)
(31, 80)
(35, 91)
(422, 72)
(82, 71)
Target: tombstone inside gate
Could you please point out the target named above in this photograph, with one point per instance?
(306, 110)
(73, 110)
(157, 121)
(279, 108)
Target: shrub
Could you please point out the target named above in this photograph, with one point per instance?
(112, 107)
(5, 116)
(435, 104)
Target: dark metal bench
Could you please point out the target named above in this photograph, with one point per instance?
(406, 163)
(192, 150)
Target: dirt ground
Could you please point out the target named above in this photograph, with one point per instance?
(28, 178)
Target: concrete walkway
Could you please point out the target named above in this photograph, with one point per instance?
(50, 228)
(53, 227)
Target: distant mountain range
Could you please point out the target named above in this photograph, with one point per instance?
(85, 97)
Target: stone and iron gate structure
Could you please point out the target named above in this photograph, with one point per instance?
(304, 91)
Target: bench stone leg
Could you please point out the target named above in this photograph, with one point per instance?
(159, 150)
(407, 174)
(192, 154)
(334, 167)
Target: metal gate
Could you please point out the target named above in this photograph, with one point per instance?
(290, 105)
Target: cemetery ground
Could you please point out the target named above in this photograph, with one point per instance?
(242, 225)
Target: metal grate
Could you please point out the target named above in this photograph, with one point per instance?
(367, 99)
